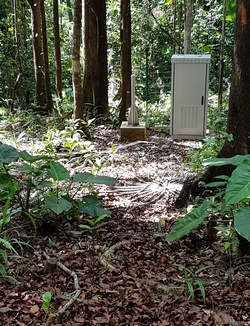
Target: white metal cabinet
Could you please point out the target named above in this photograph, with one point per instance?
(189, 91)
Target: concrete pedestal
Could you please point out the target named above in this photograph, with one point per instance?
(133, 133)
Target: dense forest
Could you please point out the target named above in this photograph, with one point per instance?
(97, 231)
(41, 60)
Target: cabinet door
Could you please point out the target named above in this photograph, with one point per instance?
(189, 99)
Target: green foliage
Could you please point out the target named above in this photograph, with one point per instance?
(229, 239)
(192, 281)
(157, 114)
(46, 300)
(185, 224)
(241, 222)
(8, 154)
(238, 186)
(210, 148)
(91, 206)
(51, 182)
(217, 115)
(5, 246)
(234, 199)
(93, 179)
(94, 225)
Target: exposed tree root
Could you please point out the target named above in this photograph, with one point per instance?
(52, 317)
(105, 257)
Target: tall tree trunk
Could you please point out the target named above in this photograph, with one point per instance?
(174, 27)
(76, 66)
(17, 56)
(57, 49)
(239, 99)
(188, 26)
(126, 70)
(41, 98)
(40, 55)
(46, 60)
(69, 10)
(222, 44)
(95, 87)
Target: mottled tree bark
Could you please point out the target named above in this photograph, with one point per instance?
(95, 86)
(126, 70)
(76, 66)
(40, 55)
(188, 26)
(238, 118)
(49, 105)
(57, 49)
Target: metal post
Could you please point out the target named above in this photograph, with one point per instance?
(133, 115)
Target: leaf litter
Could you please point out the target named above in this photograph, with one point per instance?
(128, 275)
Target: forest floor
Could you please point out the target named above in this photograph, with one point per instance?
(126, 273)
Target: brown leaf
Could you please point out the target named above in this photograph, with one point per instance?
(34, 309)
(6, 309)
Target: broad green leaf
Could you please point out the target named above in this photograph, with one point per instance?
(32, 158)
(5, 179)
(92, 207)
(58, 205)
(8, 154)
(242, 222)
(8, 190)
(46, 300)
(44, 184)
(235, 160)
(216, 184)
(25, 168)
(238, 186)
(191, 221)
(57, 171)
(96, 179)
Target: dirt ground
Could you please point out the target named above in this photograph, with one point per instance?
(125, 273)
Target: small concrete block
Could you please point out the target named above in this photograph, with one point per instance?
(133, 133)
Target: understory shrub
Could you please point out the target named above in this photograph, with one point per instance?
(230, 201)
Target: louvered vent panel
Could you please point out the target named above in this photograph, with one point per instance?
(189, 114)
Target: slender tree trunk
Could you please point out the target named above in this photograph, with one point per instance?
(69, 10)
(188, 26)
(46, 60)
(174, 31)
(76, 66)
(17, 56)
(57, 49)
(126, 70)
(38, 54)
(95, 87)
(221, 67)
